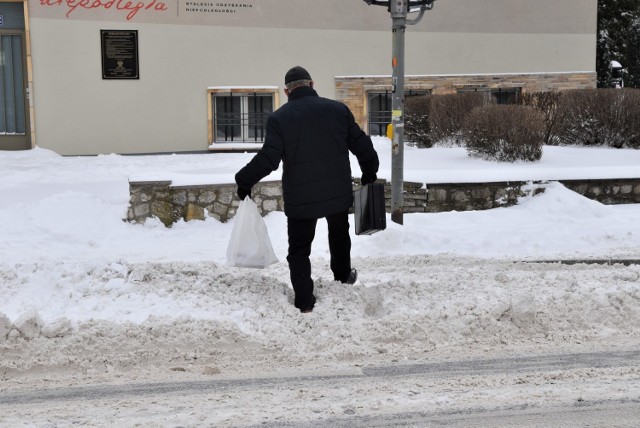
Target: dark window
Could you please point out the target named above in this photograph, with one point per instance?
(505, 96)
(12, 106)
(379, 104)
(228, 118)
(499, 95)
(379, 113)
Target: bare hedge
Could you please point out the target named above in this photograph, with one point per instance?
(448, 113)
(432, 119)
(417, 121)
(548, 103)
(600, 117)
(505, 133)
(603, 117)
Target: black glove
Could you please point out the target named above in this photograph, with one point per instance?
(242, 193)
(368, 178)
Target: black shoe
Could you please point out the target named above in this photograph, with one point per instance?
(307, 307)
(351, 279)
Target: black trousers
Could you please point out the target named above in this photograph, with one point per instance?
(301, 233)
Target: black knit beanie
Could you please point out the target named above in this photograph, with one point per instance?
(296, 73)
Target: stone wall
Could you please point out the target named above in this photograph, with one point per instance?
(172, 203)
(608, 192)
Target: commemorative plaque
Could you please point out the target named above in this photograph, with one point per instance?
(119, 54)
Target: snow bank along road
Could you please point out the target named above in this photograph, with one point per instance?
(418, 335)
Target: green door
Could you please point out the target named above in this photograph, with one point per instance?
(14, 106)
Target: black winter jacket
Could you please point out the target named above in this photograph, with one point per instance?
(312, 136)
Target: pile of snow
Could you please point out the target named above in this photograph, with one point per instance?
(82, 287)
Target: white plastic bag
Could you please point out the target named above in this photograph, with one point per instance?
(250, 245)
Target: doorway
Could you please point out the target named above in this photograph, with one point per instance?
(14, 103)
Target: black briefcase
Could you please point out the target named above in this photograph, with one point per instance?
(369, 210)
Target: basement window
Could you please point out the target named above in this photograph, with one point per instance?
(379, 107)
(498, 95)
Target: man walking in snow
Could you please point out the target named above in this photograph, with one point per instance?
(313, 137)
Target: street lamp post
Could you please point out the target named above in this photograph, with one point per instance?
(399, 10)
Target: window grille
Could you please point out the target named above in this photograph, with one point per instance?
(498, 95)
(505, 96)
(241, 117)
(379, 106)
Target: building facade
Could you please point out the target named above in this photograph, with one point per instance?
(149, 76)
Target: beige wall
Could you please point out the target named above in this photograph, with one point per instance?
(181, 55)
(468, 16)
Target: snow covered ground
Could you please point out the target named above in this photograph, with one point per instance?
(89, 296)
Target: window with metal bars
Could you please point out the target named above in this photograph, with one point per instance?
(499, 95)
(241, 117)
(379, 107)
(505, 96)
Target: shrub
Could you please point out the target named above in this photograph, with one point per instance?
(601, 117)
(505, 133)
(548, 103)
(448, 113)
(417, 121)
(432, 119)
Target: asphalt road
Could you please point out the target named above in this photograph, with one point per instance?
(577, 390)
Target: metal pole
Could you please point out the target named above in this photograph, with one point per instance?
(399, 10)
(397, 113)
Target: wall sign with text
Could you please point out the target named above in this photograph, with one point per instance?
(119, 54)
